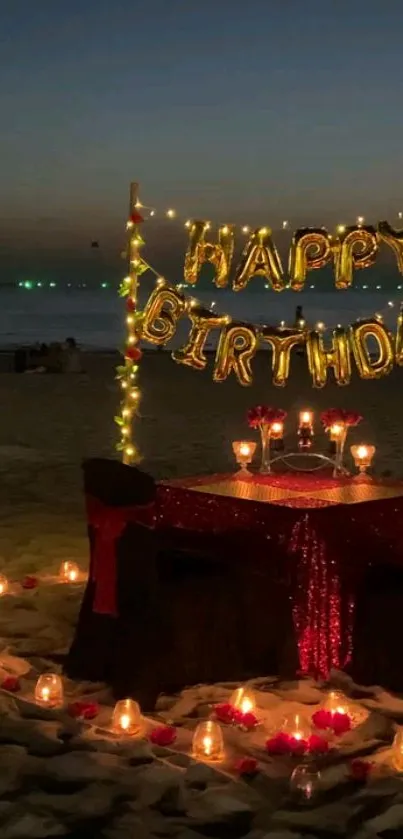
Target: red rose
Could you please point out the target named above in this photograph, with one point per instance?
(11, 683)
(133, 353)
(360, 770)
(278, 745)
(29, 582)
(265, 415)
(352, 418)
(224, 712)
(322, 719)
(246, 766)
(130, 305)
(297, 747)
(136, 218)
(83, 710)
(341, 723)
(317, 745)
(247, 721)
(163, 735)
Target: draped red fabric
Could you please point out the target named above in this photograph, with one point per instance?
(108, 524)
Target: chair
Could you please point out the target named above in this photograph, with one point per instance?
(118, 637)
(377, 657)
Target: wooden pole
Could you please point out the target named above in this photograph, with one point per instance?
(130, 391)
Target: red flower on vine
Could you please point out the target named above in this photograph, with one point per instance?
(133, 353)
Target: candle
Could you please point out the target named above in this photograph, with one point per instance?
(69, 572)
(208, 742)
(296, 727)
(126, 718)
(3, 585)
(305, 419)
(362, 457)
(243, 451)
(49, 691)
(276, 430)
(243, 699)
(305, 784)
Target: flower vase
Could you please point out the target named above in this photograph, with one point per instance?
(338, 460)
(265, 444)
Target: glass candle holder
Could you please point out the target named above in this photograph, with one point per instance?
(306, 419)
(3, 584)
(244, 451)
(243, 699)
(362, 456)
(49, 691)
(305, 783)
(208, 742)
(297, 727)
(69, 572)
(305, 430)
(126, 718)
(336, 703)
(397, 751)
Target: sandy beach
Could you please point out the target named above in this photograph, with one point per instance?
(49, 423)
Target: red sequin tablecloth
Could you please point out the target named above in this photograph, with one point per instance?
(326, 530)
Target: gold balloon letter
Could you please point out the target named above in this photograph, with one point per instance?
(159, 323)
(393, 238)
(259, 257)
(282, 341)
(310, 248)
(202, 322)
(399, 339)
(320, 359)
(200, 251)
(236, 348)
(357, 248)
(359, 334)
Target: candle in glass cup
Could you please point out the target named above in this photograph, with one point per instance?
(49, 691)
(243, 451)
(3, 584)
(69, 572)
(127, 719)
(243, 699)
(208, 742)
(362, 457)
(306, 419)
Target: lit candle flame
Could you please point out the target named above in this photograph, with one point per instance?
(244, 449)
(207, 745)
(45, 694)
(125, 721)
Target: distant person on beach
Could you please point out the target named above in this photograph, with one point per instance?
(71, 357)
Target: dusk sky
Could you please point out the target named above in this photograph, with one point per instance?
(235, 111)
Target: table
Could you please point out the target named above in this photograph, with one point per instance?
(327, 531)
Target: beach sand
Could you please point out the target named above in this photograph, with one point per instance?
(49, 423)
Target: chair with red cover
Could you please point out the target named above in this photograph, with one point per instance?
(118, 638)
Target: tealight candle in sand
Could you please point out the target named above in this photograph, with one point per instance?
(49, 691)
(69, 572)
(126, 718)
(3, 584)
(208, 742)
(296, 727)
(243, 699)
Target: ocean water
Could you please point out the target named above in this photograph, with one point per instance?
(95, 318)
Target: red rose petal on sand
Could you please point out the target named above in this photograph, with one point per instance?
(163, 735)
(278, 745)
(246, 766)
(83, 710)
(225, 713)
(322, 719)
(341, 723)
(11, 683)
(29, 582)
(360, 770)
(317, 745)
(298, 747)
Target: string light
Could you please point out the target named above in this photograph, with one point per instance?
(171, 213)
(126, 373)
(245, 229)
(360, 220)
(341, 228)
(285, 225)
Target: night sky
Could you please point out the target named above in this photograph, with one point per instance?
(235, 111)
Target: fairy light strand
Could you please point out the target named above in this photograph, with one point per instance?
(127, 372)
